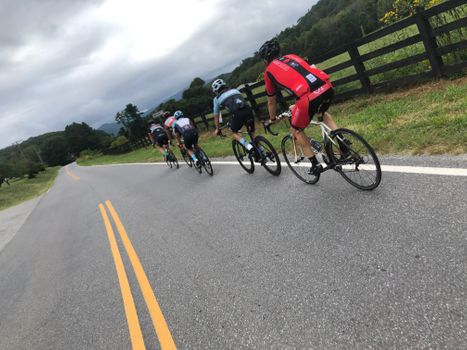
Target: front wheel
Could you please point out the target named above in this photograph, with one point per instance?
(297, 161)
(355, 159)
(270, 161)
(241, 153)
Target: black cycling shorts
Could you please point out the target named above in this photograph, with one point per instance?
(321, 104)
(161, 140)
(243, 117)
(190, 138)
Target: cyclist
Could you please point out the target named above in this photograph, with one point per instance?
(159, 137)
(184, 127)
(310, 86)
(242, 114)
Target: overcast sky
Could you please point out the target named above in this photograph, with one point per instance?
(84, 60)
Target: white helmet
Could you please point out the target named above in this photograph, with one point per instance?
(218, 85)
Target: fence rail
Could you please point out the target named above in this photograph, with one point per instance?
(427, 35)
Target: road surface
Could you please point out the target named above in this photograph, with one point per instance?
(116, 257)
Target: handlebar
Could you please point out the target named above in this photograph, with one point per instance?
(267, 124)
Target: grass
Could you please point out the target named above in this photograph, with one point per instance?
(24, 189)
(427, 119)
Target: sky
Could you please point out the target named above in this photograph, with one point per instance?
(65, 61)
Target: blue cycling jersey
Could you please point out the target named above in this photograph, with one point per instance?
(219, 100)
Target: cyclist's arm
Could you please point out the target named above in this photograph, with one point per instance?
(272, 107)
(151, 137)
(216, 112)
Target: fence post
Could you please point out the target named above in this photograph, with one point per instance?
(359, 68)
(426, 32)
(205, 122)
(251, 99)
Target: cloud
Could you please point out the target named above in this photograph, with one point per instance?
(61, 66)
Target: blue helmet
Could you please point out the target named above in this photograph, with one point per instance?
(178, 115)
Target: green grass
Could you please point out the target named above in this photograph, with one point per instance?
(24, 189)
(428, 119)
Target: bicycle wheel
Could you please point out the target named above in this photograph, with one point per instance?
(271, 161)
(173, 159)
(187, 158)
(297, 161)
(355, 160)
(243, 157)
(205, 161)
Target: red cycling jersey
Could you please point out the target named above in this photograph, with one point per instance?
(297, 77)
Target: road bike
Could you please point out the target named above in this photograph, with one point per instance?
(186, 157)
(342, 150)
(204, 162)
(170, 159)
(263, 152)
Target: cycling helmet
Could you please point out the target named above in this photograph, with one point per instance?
(269, 50)
(178, 115)
(218, 85)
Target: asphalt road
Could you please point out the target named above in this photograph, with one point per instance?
(239, 261)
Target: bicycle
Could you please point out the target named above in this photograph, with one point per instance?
(342, 150)
(203, 160)
(170, 159)
(263, 152)
(186, 157)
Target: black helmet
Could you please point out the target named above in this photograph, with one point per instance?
(269, 50)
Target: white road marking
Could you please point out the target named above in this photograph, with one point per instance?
(385, 168)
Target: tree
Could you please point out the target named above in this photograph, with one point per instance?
(79, 137)
(55, 151)
(131, 119)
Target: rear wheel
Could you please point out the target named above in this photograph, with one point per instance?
(297, 161)
(203, 158)
(355, 159)
(243, 157)
(173, 159)
(187, 158)
(271, 161)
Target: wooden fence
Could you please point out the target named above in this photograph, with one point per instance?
(427, 35)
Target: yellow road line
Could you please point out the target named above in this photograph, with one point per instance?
(158, 321)
(70, 174)
(136, 336)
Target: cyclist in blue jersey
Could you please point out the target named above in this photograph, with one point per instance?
(242, 114)
(184, 127)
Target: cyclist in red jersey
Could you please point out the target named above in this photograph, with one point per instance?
(310, 86)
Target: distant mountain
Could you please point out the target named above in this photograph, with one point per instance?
(110, 128)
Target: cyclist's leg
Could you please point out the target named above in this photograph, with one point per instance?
(301, 115)
(237, 122)
(299, 121)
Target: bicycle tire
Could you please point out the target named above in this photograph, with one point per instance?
(243, 157)
(294, 161)
(360, 153)
(205, 162)
(186, 157)
(270, 154)
(173, 159)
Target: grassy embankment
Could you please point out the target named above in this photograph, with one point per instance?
(428, 119)
(21, 190)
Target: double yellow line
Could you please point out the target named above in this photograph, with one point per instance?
(70, 174)
(158, 321)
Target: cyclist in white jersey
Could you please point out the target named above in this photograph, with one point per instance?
(184, 127)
